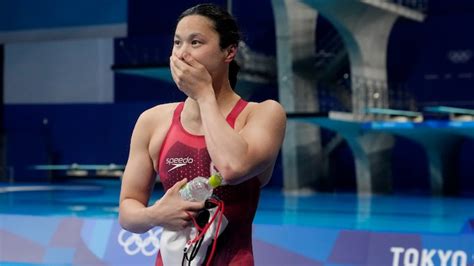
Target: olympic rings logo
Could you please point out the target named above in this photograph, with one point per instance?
(459, 56)
(133, 243)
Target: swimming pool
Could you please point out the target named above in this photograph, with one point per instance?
(76, 223)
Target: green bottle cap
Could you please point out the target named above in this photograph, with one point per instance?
(215, 180)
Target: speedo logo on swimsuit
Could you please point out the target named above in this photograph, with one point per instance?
(178, 162)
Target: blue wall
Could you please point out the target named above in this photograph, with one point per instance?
(422, 70)
(434, 61)
(66, 134)
(31, 14)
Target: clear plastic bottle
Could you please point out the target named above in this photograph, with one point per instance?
(200, 188)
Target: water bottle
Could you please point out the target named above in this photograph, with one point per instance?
(200, 188)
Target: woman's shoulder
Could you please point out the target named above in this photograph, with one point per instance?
(155, 116)
(262, 113)
(270, 108)
(158, 112)
(268, 103)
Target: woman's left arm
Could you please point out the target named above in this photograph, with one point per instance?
(247, 153)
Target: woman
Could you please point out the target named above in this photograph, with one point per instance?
(214, 129)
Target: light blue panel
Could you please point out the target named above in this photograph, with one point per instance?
(19, 264)
(34, 14)
(337, 264)
(59, 256)
(450, 242)
(67, 71)
(87, 231)
(388, 125)
(298, 239)
(37, 229)
(99, 230)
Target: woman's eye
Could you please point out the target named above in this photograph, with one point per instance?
(176, 42)
(195, 42)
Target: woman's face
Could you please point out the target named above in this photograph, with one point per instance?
(196, 36)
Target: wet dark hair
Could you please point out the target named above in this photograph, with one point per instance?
(225, 25)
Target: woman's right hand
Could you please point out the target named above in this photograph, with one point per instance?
(171, 211)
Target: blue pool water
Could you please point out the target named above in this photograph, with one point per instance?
(346, 211)
(76, 223)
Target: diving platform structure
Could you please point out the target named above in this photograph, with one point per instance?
(372, 139)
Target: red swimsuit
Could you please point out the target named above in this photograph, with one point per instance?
(184, 155)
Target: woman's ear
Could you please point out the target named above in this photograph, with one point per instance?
(231, 52)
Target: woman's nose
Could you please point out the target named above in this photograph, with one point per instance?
(179, 52)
